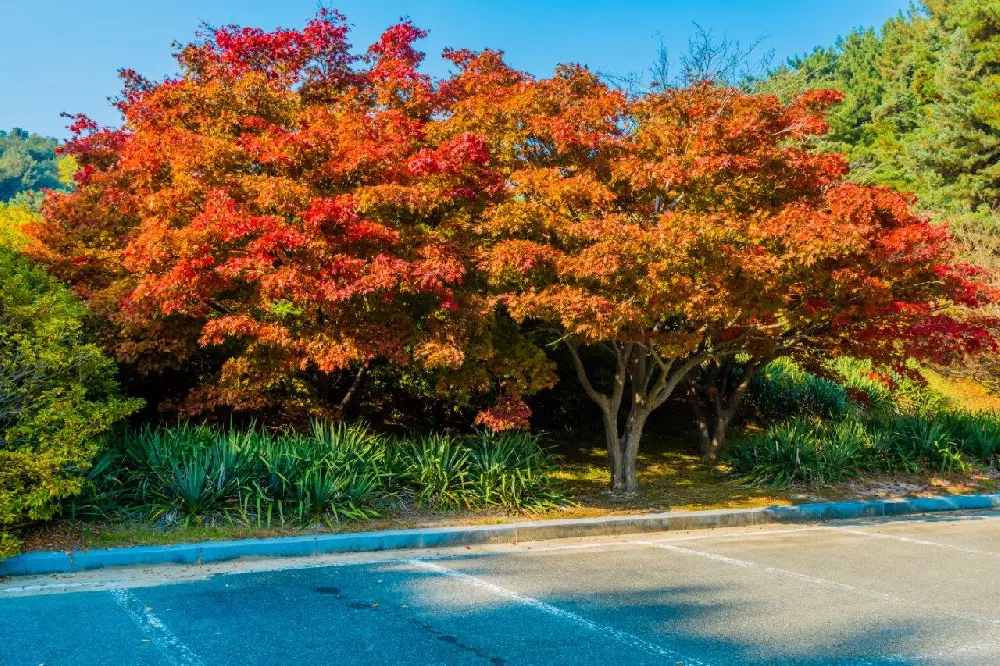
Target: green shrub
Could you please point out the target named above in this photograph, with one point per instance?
(187, 472)
(922, 441)
(902, 394)
(58, 397)
(806, 450)
(842, 446)
(511, 469)
(977, 434)
(809, 450)
(784, 454)
(436, 466)
(191, 473)
(349, 467)
(821, 437)
(783, 389)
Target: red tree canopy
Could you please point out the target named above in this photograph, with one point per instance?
(282, 210)
(694, 224)
(700, 219)
(290, 210)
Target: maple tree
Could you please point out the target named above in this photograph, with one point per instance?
(863, 276)
(681, 229)
(282, 212)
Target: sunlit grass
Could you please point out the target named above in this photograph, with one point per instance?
(963, 393)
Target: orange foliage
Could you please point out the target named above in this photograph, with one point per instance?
(279, 211)
(298, 211)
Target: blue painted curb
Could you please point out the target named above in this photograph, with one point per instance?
(37, 563)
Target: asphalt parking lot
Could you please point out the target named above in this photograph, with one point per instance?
(922, 590)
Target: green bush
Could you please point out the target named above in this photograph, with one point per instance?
(977, 434)
(58, 397)
(809, 450)
(783, 389)
(204, 474)
(196, 473)
(508, 470)
(437, 467)
(893, 426)
(901, 394)
(511, 469)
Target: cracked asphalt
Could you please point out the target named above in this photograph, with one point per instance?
(921, 590)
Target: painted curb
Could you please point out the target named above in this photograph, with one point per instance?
(37, 563)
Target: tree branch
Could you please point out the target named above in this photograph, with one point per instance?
(354, 387)
(581, 374)
(666, 384)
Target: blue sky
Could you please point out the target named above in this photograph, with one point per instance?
(62, 55)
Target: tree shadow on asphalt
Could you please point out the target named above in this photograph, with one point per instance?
(481, 609)
(701, 623)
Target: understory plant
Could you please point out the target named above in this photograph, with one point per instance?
(336, 471)
(896, 426)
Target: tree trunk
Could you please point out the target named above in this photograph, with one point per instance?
(628, 482)
(352, 390)
(715, 399)
(653, 381)
(324, 385)
(616, 457)
(713, 436)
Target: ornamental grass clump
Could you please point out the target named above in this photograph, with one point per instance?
(203, 474)
(784, 389)
(808, 450)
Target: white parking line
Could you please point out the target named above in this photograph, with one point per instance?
(692, 537)
(169, 645)
(919, 542)
(42, 587)
(815, 580)
(582, 622)
(746, 564)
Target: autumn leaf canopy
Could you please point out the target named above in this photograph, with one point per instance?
(282, 210)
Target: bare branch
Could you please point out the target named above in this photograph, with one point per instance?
(722, 60)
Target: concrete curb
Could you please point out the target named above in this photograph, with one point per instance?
(36, 563)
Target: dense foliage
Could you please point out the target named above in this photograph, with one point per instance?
(920, 114)
(281, 215)
(820, 435)
(29, 165)
(921, 99)
(685, 227)
(58, 397)
(332, 472)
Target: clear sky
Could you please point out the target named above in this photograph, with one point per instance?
(63, 55)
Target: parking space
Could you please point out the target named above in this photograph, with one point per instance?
(922, 590)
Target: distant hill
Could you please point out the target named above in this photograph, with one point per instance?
(29, 164)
